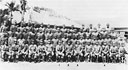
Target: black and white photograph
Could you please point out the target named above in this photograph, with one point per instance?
(63, 34)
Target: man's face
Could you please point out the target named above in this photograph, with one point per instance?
(5, 22)
(126, 40)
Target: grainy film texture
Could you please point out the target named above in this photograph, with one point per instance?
(63, 35)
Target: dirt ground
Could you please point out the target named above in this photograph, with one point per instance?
(62, 66)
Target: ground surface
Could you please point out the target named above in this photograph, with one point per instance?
(61, 66)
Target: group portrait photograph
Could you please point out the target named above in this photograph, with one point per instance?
(63, 34)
